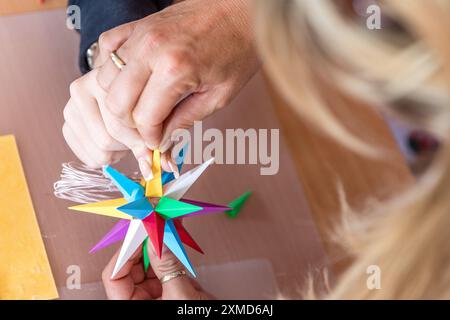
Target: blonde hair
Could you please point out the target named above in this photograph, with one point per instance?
(319, 55)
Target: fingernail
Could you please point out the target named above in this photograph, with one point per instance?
(165, 145)
(149, 160)
(151, 146)
(115, 161)
(146, 169)
(174, 169)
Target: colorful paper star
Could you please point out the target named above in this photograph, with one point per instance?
(152, 211)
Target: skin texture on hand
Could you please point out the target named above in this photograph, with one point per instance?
(183, 64)
(133, 283)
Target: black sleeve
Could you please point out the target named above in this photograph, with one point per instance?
(98, 16)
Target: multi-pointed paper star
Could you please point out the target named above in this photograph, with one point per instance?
(153, 210)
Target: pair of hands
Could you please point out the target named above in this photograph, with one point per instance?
(182, 64)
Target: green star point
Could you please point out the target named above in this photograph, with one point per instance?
(237, 204)
(145, 255)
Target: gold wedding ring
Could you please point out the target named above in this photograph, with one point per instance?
(173, 275)
(117, 60)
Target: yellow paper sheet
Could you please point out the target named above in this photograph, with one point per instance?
(24, 268)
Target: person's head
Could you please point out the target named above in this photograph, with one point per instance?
(321, 54)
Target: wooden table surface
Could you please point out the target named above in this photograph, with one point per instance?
(273, 244)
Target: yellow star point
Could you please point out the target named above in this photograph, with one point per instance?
(153, 188)
(104, 208)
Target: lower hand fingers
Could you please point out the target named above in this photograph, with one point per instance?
(74, 144)
(83, 105)
(80, 139)
(89, 153)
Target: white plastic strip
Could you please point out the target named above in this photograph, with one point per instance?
(81, 184)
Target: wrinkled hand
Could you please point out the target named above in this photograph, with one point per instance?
(182, 64)
(133, 283)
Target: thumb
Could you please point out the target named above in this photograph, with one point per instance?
(194, 108)
(178, 288)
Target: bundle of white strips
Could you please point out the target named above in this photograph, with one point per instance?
(81, 184)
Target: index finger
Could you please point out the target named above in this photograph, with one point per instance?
(122, 286)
